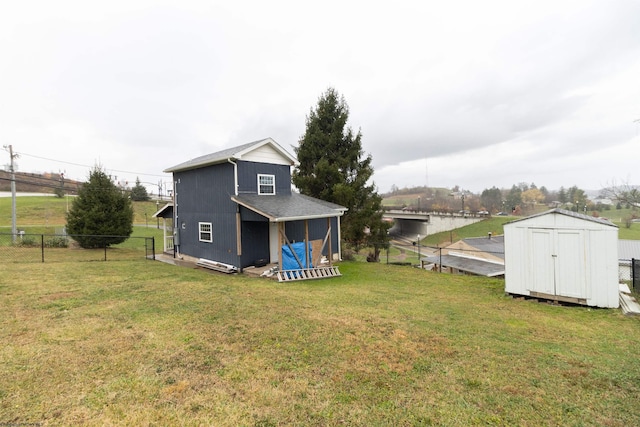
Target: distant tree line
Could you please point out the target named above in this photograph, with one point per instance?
(521, 198)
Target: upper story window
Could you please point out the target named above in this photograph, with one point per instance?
(266, 184)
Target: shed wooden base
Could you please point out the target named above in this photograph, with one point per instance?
(552, 298)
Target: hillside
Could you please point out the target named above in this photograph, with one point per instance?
(50, 211)
(37, 183)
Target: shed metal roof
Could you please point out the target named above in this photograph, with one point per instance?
(493, 245)
(233, 153)
(628, 249)
(469, 265)
(289, 207)
(567, 213)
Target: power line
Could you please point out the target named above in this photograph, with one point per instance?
(87, 166)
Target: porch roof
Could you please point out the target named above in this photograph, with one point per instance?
(164, 212)
(289, 207)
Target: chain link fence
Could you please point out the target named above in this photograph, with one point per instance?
(28, 247)
(629, 273)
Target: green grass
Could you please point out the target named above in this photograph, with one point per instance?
(50, 211)
(479, 229)
(495, 224)
(144, 343)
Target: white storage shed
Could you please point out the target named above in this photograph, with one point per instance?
(563, 256)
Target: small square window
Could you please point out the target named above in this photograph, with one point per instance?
(266, 184)
(206, 235)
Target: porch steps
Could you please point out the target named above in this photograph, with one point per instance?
(308, 274)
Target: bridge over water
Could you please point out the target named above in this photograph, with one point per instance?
(427, 223)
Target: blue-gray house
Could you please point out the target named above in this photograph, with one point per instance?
(237, 207)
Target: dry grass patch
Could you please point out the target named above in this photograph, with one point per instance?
(144, 343)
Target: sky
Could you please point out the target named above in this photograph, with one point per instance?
(456, 93)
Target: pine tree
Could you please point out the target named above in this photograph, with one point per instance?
(333, 167)
(101, 215)
(139, 192)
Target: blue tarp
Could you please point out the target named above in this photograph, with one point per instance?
(289, 261)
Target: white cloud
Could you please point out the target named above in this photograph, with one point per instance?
(489, 93)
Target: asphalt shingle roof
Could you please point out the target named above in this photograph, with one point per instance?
(223, 156)
(289, 207)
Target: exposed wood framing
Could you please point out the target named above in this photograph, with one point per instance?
(286, 239)
(238, 233)
(328, 237)
(306, 242)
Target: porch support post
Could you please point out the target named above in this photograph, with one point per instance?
(339, 242)
(164, 235)
(238, 234)
(306, 243)
(286, 239)
(329, 250)
(280, 233)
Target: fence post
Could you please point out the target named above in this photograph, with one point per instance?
(153, 247)
(42, 246)
(634, 274)
(440, 263)
(105, 252)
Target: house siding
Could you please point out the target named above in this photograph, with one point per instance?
(255, 242)
(203, 195)
(248, 177)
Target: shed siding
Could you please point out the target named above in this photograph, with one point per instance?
(203, 195)
(561, 255)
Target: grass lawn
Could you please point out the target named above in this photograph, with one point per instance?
(50, 211)
(492, 224)
(145, 343)
(495, 225)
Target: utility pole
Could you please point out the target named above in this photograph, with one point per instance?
(14, 230)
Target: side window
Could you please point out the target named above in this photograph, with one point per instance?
(206, 235)
(266, 184)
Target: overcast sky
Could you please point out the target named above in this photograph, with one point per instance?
(469, 93)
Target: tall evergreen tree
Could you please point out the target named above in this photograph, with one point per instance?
(333, 167)
(101, 215)
(139, 192)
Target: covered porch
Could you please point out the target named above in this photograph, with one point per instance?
(166, 213)
(299, 235)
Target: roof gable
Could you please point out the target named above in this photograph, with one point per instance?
(262, 151)
(563, 213)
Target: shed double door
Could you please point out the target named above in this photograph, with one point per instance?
(557, 262)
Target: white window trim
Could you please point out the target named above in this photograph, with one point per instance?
(273, 184)
(205, 231)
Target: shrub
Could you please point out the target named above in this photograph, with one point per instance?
(348, 255)
(56, 242)
(27, 241)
